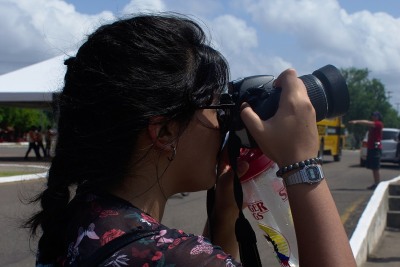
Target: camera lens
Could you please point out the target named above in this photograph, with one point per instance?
(328, 92)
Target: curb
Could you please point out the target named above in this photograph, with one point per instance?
(25, 177)
(372, 223)
(11, 144)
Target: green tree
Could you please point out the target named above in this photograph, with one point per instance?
(21, 119)
(366, 96)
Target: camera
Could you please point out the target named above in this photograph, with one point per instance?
(326, 88)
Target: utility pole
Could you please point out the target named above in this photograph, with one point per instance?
(389, 95)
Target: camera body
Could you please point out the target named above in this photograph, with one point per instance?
(326, 88)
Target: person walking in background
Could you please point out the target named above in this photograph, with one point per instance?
(48, 138)
(32, 141)
(374, 145)
(39, 141)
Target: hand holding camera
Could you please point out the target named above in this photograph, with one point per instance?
(285, 110)
(291, 134)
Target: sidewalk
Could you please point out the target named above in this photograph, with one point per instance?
(374, 244)
(33, 172)
(387, 252)
(12, 160)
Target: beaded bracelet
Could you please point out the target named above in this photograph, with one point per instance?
(298, 165)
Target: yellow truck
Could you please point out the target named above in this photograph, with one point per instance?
(331, 137)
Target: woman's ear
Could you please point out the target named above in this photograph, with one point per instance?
(163, 133)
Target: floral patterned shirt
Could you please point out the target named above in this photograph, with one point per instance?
(97, 219)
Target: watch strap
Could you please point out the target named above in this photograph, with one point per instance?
(310, 174)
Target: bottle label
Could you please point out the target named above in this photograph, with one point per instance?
(257, 209)
(279, 243)
(280, 188)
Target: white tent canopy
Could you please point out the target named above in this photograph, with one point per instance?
(33, 86)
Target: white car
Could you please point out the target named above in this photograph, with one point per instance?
(389, 146)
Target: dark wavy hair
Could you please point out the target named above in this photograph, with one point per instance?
(124, 74)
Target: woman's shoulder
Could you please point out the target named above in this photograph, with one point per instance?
(107, 213)
(102, 219)
(95, 220)
(171, 247)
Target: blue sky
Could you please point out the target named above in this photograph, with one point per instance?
(256, 36)
(389, 6)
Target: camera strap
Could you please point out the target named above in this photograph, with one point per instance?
(245, 234)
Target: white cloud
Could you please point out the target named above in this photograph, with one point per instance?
(315, 25)
(136, 6)
(235, 35)
(322, 27)
(324, 32)
(36, 30)
(238, 42)
(377, 38)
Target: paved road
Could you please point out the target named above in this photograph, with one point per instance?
(346, 180)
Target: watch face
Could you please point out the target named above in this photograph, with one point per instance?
(310, 174)
(313, 173)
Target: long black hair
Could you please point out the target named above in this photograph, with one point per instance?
(124, 74)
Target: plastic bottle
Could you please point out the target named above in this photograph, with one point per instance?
(266, 198)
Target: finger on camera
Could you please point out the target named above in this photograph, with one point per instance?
(293, 89)
(253, 123)
(250, 118)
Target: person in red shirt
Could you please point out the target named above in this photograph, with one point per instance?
(374, 145)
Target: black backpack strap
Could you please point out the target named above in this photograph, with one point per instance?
(114, 245)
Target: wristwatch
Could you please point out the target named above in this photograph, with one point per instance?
(309, 174)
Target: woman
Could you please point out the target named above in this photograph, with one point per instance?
(135, 128)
